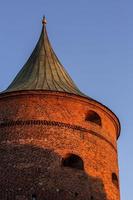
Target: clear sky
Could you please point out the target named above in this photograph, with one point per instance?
(94, 41)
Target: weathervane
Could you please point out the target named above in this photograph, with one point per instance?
(44, 21)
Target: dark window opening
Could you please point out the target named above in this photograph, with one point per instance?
(115, 179)
(73, 161)
(76, 194)
(34, 197)
(93, 117)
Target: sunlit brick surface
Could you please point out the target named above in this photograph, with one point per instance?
(38, 130)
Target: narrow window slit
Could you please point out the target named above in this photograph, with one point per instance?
(34, 197)
(115, 179)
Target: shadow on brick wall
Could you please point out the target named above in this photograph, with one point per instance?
(29, 172)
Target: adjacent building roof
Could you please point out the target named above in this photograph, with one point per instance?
(43, 70)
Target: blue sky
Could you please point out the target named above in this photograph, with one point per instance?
(94, 41)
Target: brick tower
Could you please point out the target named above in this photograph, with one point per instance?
(56, 143)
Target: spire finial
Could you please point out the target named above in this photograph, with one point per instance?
(44, 21)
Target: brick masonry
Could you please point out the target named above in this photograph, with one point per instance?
(38, 130)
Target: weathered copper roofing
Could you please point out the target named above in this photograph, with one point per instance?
(43, 70)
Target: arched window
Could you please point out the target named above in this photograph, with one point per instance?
(93, 117)
(73, 161)
(115, 179)
(34, 197)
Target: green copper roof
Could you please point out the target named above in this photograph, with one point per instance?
(43, 70)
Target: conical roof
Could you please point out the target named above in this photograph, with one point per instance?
(43, 70)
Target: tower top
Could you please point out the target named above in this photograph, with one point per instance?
(43, 70)
(44, 21)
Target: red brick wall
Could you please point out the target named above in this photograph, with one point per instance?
(38, 130)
